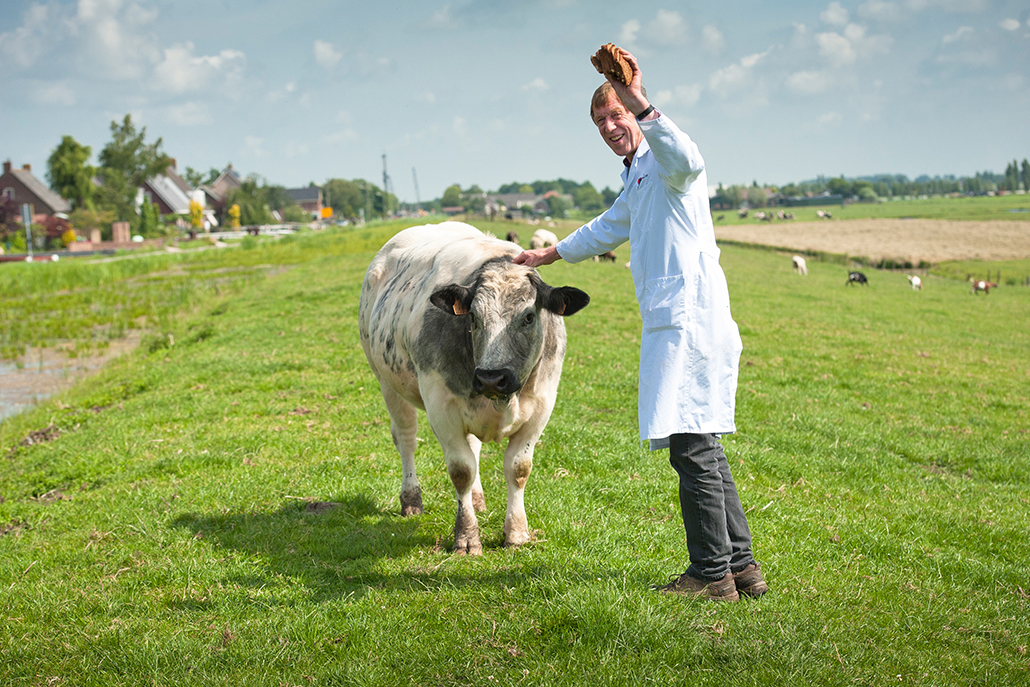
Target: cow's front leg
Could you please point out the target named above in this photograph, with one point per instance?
(478, 498)
(404, 430)
(518, 463)
(462, 469)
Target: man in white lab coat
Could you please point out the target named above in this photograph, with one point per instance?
(690, 346)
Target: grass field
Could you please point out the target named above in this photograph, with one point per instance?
(159, 532)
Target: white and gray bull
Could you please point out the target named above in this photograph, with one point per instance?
(451, 325)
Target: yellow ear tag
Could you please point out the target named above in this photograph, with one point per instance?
(459, 308)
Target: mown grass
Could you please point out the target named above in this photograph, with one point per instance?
(882, 456)
(981, 208)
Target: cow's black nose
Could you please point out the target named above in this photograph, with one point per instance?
(494, 383)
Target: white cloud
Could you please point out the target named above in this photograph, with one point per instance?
(339, 137)
(836, 48)
(834, 14)
(713, 39)
(1009, 24)
(829, 119)
(954, 6)
(325, 54)
(735, 76)
(809, 82)
(426, 97)
(27, 43)
(667, 28)
(952, 37)
(846, 49)
(189, 114)
(441, 19)
(180, 71)
(252, 146)
(628, 34)
(115, 36)
(685, 96)
(537, 85)
(281, 94)
(459, 126)
(59, 93)
(880, 11)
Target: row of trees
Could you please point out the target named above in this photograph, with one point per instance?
(584, 196)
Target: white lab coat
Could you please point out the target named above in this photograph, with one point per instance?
(690, 346)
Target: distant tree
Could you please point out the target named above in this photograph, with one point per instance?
(1012, 176)
(839, 186)
(587, 198)
(525, 188)
(69, 175)
(86, 219)
(609, 196)
(150, 219)
(1025, 175)
(125, 163)
(251, 203)
(756, 197)
(345, 197)
(52, 231)
(864, 190)
(736, 195)
(197, 179)
(790, 190)
(557, 206)
(451, 196)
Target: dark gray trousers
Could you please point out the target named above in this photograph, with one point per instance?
(718, 538)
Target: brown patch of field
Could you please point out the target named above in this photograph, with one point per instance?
(913, 240)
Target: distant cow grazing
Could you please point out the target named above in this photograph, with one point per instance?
(823, 214)
(607, 257)
(981, 285)
(543, 238)
(512, 236)
(451, 325)
(799, 264)
(916, 282)
(856, 278)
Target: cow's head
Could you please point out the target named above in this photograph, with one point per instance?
(504, 307)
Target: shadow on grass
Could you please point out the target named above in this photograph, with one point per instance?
(342, 550)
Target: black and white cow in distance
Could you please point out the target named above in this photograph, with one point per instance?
(451, 325)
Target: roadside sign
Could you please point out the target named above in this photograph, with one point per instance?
(26, 214)
(327, 212)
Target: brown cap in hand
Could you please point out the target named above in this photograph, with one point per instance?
(610, 62)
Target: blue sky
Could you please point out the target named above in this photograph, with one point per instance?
(492, 92)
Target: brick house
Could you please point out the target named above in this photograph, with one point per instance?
(22, 186)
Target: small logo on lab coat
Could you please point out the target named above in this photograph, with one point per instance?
(639, 179)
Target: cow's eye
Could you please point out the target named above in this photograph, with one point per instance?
(529, 318)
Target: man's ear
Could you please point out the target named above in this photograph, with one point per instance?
(563, 300)
(454, 299)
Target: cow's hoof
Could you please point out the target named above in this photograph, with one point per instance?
(411, 502)
(516, 531)
(478, 501)
(470, 546)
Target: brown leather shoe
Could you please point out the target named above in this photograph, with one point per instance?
(719, 590)
(749, 581)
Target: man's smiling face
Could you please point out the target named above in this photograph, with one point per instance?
(618, 128)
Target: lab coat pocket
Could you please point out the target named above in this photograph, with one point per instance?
(664, 305)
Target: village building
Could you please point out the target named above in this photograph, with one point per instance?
(22, 186)
(308, 199)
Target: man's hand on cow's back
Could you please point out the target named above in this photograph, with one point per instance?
(537, 257)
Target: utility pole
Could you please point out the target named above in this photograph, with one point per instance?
(418, 201)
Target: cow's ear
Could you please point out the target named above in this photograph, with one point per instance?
(454, 299)
(565, 300)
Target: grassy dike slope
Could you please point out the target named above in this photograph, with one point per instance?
(165, 537)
